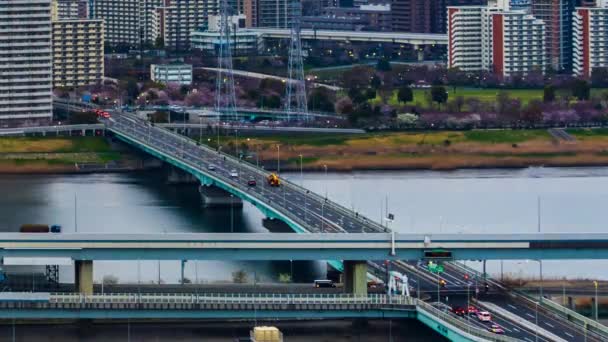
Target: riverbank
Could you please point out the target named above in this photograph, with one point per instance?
(440, 150)
(40, 155)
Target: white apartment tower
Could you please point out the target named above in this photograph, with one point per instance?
(590, 38)
(122, 20)
(25, 62)
(174, 21)
(495, 38)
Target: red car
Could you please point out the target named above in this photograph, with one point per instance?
(459, 310)
(251, 182)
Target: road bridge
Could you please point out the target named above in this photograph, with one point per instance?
(236, 306)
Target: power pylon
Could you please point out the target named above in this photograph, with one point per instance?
(225, 96)
(295, 90)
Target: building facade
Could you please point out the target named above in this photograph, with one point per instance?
(78, 55)
(171, 73)
(557, 16)
(268, 13)
(70, 9)
(243, 42)
(590, 38)
(176, 19)
(425, 16)
(122, 20)
(495, 38)
(25, 62)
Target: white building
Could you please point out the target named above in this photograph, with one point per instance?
(243, 42)
(174, 21)
(25, 62)
(495, 38)
(171, 73)
(122, 20)
(590, 38)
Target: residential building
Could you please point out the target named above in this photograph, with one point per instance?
(243, 42)
(171, 73)
(425, 16)
(174, 21)
(70, 9)
(78, 57)
(365, 17)
(590, 38)
(25, 62)
(495, 38)
(122, 20)
(268, 13)
(557, 15)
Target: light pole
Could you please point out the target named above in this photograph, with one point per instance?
(536, 319)
(325, 167)
(540, 263)
(200, 129)
(301, 172)
(231, 213)
(278, 159)
(595, 284)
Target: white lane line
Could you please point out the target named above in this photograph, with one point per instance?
(513, 306)
(530, 315)
(528, 339)
(515, 329)
(569, 334)
(549, 324)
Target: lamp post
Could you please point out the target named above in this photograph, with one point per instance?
(536, 319)
(325, 167)
(278, 159)
(595, 284)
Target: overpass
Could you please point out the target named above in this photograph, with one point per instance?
(237, 306)
(359, 36)
(314, 246)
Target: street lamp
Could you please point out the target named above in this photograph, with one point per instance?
(278, 159)
(325, 167)
(595, 284)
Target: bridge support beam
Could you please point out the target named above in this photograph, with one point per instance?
(355, 277)
(214, 197)
(84, 276)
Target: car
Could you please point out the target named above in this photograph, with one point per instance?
(458, 310)
(251, 182)
(234, 174)
(496, 329)
(472, 311)
(484, 316)
(211, 167)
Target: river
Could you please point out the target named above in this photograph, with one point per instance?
(467, 201)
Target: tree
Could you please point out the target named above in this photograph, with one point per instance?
(159, 117)
(356, 95)
(439, 94)
(549, 94)
(357, 77)
(383, 65)
(405, 94)
(599, 77)
(132, 88)
(375, 82)
(581, 89)
(239, 277)
(320, 100)
(533, 113)
(456, 77)
(159, 43)
(272, 101)
(370, 94)
(459, 103)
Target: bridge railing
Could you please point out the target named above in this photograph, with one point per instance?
(232, 298)
(375, 227)
(461, 325)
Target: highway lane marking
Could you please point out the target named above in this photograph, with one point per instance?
(515, 329)
(549, 324)
(567, 333)
(513, 306)
(530, 315)
(528, 339)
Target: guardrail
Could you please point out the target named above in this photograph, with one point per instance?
(223, 298)
(466, 328)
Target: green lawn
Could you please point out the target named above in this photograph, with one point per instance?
(483, 94)
(506, 136)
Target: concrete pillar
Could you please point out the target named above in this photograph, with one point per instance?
(420, 55)
(355, 277)
(83, 277)
(571, 304)
(594, 309)
(214, 197)
(276, 226)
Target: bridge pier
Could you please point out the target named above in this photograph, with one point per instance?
(276, 226)
(571, 304)
(214, 197)
(83, 276)
(355, 277)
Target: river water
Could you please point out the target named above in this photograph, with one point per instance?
(466, 201)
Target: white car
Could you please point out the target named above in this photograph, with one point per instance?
(234, 174)
(484, 316)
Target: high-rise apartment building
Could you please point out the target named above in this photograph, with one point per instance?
(122, 20)
(425, 16)
(495, 38)
(590, 38)
(77, 52)
(25, 62)
(70, 9)
(268, 13)
(557, 15)
(176, 19)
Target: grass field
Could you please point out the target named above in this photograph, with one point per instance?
(53, 144)
(487, 95)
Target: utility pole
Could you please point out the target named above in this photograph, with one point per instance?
(225, 96)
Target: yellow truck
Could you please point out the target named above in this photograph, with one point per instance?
(274, 180)
(266, 334)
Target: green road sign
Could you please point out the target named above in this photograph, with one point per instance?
(435, 268)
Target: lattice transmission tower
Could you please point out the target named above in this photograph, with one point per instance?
(225, 96)
(295, 92)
